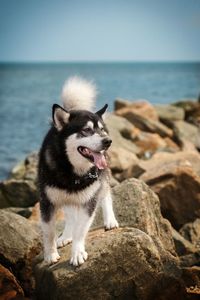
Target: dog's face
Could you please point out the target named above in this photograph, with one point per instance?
(85, 137)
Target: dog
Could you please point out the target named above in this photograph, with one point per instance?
(73, 171)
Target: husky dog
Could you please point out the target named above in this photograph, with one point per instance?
(73, 171)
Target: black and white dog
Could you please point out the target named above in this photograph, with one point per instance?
(73, 171)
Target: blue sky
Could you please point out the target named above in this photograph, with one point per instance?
(99, 30)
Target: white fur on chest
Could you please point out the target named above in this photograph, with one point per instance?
(60, 197)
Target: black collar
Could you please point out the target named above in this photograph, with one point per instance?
(91, 176)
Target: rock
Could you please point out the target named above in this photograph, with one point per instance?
(149, 142)
(19, 244)
(9, 287)
(35, 216)
(140, 108)
(191, 278)
(143, 123)
(191, 232)
(152, 142)
(121, 159)
(169, 112)
(122, 264)
(22, 211)
(136, 205)
(17, 193)
(113, 181)
(118, 128)
(123, 151)
(134, 171)
(27, 169)
(123, 126)
(179, 195)
(162, 163)
(190, 260)
(182, 245)
(120, 103)
(171, 146)
(175, 179)
(187, 146)
(187, 131)
(191, 108)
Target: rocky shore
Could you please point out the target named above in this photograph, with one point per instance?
(155, 254)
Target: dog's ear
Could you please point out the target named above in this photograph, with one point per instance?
(60, 116)
(102, 111)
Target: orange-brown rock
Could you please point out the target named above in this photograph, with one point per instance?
(176, 180)
(152, 142)
(120, 103)
(9, 286)
(144, 121)
(179, 194)
(19, 244)
(141, 107)
(162, 162)
(35, 216)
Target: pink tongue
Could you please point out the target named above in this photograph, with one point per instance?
(99, 160)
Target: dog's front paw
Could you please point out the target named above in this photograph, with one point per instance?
(110, 224)
(62, 241)
(52, 258)
(78, 257)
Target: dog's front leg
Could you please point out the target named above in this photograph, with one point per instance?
(49, 235)
(108, 213)
(83, 222)
(70, 220)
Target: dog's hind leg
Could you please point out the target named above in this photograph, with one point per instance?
(48, 229)
(110, 221)
(70, 219)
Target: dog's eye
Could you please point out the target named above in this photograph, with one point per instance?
(87, 131)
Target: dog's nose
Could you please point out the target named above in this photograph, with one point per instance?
(107, 143)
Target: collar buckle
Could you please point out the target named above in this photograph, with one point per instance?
(90, 175)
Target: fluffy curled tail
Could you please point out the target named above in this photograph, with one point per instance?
(78, 93)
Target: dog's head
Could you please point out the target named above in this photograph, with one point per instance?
(84, 135)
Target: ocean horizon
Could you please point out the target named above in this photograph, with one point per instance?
(28, 90)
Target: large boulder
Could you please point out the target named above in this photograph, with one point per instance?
(126, 263)
(136, 205)
(175, 178)
(19, 244)
(122, 264)
(18, 193)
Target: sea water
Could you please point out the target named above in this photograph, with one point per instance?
(27, 92)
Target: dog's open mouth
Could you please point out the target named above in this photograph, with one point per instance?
(98, 158)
